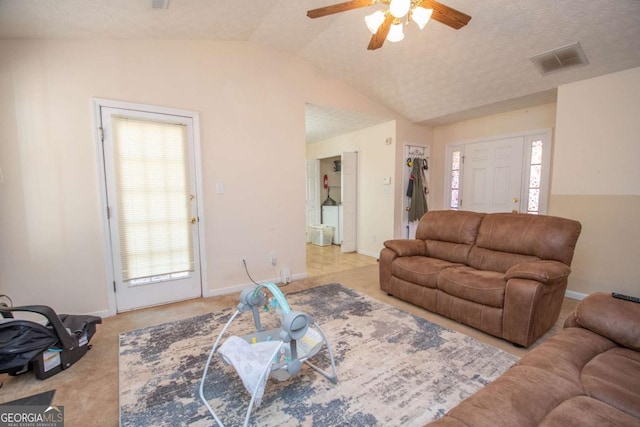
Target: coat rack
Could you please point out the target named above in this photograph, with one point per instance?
(417, 151)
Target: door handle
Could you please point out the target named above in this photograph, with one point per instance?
(193, 220)
(516, 200)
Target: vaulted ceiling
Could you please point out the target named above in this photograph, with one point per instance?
(434, 76)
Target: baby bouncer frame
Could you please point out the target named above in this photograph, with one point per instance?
(298, 339)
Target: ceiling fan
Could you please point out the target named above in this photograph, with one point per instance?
(388, 25)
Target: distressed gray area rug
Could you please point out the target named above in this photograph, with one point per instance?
(393, 369)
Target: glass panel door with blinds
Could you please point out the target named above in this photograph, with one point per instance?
(152, 208)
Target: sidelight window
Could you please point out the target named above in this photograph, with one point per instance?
(455, 179)
(535, 177)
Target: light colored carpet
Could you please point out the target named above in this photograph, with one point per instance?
(393, 369)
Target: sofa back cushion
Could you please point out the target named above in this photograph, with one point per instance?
(610, 317)
(505, 239)
(449, 235)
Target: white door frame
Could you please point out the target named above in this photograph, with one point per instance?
(349, 199)
(313, 195)
(328, 155)
(97, 104)
(546, 135)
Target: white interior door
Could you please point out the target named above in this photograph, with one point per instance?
(492, 175)
(313, 194)
(153, 222)
(349, 185)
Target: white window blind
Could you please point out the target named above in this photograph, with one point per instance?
(152, 176)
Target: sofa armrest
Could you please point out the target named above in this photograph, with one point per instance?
(407, 247)
(541, 271)
(612, 318)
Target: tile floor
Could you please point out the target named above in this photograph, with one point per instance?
(89, 390)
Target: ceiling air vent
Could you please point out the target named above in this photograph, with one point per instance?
(559, 59)
(159, 4)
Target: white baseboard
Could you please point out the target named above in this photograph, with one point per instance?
(229, 290)
(369, 253)
(575, 295)
(299, 276)
(239, 288)
(102, 314)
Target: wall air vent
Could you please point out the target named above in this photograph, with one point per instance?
(559, 59)
(159, 4)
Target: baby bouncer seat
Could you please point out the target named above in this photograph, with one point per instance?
(276, 353)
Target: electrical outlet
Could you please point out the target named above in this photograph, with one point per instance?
(272, 258)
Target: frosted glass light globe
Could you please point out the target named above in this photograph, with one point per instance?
(395, 33)
(421, 16)
(374, 21)
(399, 8)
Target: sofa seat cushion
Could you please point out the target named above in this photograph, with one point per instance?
(420, 270)
(567, 353)
(612, 377)
(585, 411)
(482, 287)
(522, 396)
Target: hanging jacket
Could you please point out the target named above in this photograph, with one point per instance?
(410, 187)
(418, 205)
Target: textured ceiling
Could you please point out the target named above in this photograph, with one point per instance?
(326, 122)
(434, 76)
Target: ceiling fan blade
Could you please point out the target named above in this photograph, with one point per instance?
(337, 8)
(446, 15)
(377, 40)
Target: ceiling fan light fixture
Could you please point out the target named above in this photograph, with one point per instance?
(386, 24)
(399, 8)
(421, 16)
(395, 33)
(374, 21)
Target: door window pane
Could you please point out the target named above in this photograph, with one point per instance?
(455, 180)
(535, 175)
(152, 177)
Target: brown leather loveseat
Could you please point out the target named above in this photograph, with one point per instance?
(502, 273)
(588, 374)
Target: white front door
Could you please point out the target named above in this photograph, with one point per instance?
(349, 221)
(149, 168)
(492, 175)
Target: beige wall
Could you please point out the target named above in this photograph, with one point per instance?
(251, 102)
(529, 119)
(595, 175)
(596, 179)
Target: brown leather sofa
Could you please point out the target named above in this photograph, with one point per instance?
(588, 374)
(502, 273)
